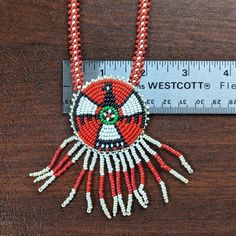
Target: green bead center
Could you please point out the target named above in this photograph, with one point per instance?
(109, 115)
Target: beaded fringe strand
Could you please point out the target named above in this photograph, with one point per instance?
(126, 162)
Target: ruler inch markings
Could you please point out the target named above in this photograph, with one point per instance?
(206, 89)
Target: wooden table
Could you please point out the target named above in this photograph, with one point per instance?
(33, 45)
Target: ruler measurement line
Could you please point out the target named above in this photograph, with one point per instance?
(188, 68)
(209, 87)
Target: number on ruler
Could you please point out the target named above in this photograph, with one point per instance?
(226, 73)
(232, 102)
(185, 72)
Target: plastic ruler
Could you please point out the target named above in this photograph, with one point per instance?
(171, 87)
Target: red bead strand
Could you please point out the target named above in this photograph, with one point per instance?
(112, 184)
(79, 179)
(101, 186)
(141, 172)
(171, 150)
(61, 163)
(162, 163)
(55, 157)
(89, 181)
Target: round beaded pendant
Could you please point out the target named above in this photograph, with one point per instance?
(108, 114)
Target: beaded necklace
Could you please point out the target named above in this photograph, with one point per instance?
(108, 117)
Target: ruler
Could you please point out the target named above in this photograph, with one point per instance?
(171, 87)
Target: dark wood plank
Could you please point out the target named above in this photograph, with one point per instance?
(33, 43)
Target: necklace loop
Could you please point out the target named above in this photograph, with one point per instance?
(75, 43)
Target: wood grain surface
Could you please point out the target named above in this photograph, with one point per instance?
(33, 43)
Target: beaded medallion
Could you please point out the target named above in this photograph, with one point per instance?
(108, 114)
(108, 117)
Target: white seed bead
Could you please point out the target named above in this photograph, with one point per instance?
(140, 199)
(109, 166)
(179, 176)
(186, 165)
(44, 176)
(78, 155)
(147, 147)
(89, 202)
(129, 204)
(69, 198)
(122, 205)
(101, 164)
(38, 173)
(73, 149)
(135, 155)
(86, 158)
(93, 162)
(66, 141)
(124, 165)
(104, 208)
(143, 193)
(164, 192)
(115, 205)
(131, 163)
(143, 154)
(151, 140)
(47, 183)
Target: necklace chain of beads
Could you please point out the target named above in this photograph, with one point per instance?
(75, 43)
(108, 118)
